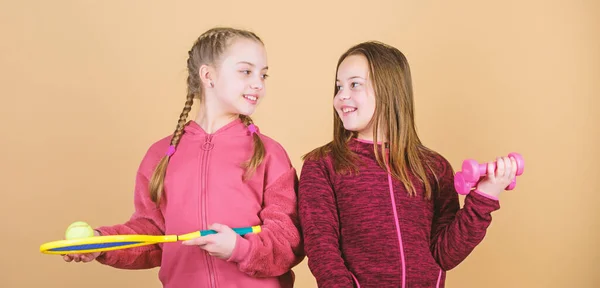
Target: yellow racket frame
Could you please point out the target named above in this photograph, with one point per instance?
(116, 242)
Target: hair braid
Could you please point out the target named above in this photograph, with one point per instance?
(258, 154)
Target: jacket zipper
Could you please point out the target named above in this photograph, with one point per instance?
(396, 220)
(206, 147)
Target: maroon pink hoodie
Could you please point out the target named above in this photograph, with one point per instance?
(204, 185)
(365, 231)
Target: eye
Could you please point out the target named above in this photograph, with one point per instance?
(354, 84)
(338, 87)
(265, 76)
(247, 72)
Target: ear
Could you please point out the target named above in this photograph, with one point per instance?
(207, 74)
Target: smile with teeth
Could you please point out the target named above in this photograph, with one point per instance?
(250, 97)
(348, 109)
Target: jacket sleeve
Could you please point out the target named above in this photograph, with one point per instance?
(320, 227)
(278, 247)
(456, 232)
(147, 219)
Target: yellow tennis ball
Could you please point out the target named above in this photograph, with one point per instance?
(79, 230)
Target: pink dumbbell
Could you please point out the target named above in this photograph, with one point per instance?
(463, 186)
(472, 172)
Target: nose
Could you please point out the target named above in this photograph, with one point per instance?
(257, 84)
(343, 95)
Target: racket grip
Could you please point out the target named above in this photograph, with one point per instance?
(247, 230)
(242, 231)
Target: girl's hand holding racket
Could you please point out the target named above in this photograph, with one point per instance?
(86, 257)
(219, 245)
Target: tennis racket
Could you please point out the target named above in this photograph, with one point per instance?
(116, 242)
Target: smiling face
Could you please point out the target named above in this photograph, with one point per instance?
(238, 84)
(355, 98)
(226, 72)
(374, 100)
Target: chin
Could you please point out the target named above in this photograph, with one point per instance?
(246, 112)
(351, 127)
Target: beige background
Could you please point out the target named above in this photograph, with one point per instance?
(87, 86)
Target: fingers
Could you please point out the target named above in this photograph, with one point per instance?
(513, 172)
(195, 241)
(219, 227)
(79, 257)
(75, 257)
(490, 170)
(87, 258)
(500, 167)
(508, 167)
(200, 241)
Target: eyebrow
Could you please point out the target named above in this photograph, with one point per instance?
(252, 64)
(353, 77)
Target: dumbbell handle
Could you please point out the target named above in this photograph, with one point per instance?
(473, 171)
(483, 168)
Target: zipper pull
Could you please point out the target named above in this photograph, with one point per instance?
(208, 145)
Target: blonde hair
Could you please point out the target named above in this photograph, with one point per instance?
(207, 49)
(394, 113)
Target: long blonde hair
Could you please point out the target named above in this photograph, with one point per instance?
(207, 49)
(394, 113)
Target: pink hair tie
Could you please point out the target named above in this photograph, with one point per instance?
(252, 128)
(171, 150)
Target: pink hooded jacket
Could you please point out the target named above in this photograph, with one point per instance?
(204, 185)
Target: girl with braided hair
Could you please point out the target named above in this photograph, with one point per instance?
(215, 173)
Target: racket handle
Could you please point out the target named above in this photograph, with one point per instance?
(242, 231)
